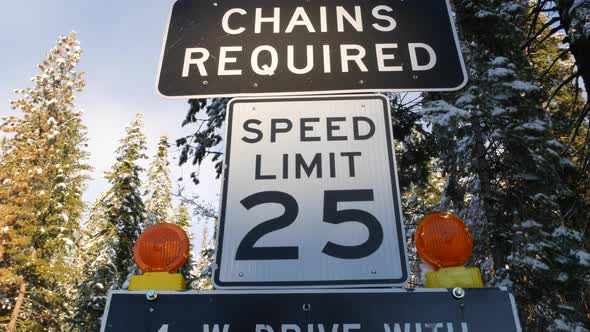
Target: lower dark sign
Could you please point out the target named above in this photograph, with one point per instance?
(387, 310)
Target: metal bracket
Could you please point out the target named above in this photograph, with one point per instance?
(458, 293)
(151, 295)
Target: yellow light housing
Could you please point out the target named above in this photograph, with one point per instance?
(458, 276)
(158, 281)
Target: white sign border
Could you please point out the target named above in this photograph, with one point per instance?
(313, 284)
(323, 92)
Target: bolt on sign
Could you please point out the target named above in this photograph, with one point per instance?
(310, 195)
(277, 47)
(368, 310)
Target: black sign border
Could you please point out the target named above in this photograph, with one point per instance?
(305, 284)
(319, 92)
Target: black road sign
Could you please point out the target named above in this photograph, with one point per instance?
(274, 47)
(387, 310)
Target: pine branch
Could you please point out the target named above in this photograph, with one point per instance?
(217, 153)
(199, 208)
(550, 34)
(570, 123)
(560, 86)
(552, 9)
(583, 145)
(579, 123)
(539, 32)
(536, 12)
(553, 63)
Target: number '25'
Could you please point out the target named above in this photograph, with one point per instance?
(247, 251)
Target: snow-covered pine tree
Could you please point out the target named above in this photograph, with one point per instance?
(204, 264)
(568, 23)
(199, 145)
(199, 270)
(123, 203)
(116, 221)
(182, 218)
(97, 249)
(158, 192)
(414, 152)
(204, 270)
(571, 17)
(502, 169)
(559, 46)
(42, 178)
(564, 102)
(551, 59)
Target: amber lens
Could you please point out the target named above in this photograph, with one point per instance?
(443, 240)
(161, 248)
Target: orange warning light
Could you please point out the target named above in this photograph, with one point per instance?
(161, 248)
(443, 240)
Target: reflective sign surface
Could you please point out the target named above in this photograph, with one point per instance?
(310, 195)
(270, 47)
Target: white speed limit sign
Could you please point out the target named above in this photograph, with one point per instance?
(310, 195)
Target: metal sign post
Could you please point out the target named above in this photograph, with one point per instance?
(269, 47)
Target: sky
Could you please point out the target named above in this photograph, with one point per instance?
(121, 41)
